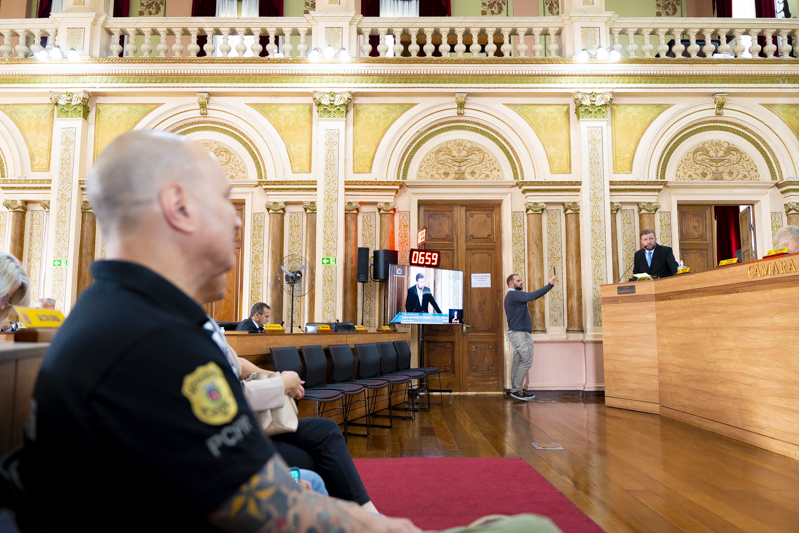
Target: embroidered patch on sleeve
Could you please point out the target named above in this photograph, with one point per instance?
(211, 399)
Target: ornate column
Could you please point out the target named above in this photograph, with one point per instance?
(614, 238)
(386, 211)
(310, 255)
(646, 216)
(331, 134)
(275, 296)
(536, 275)
(70, 136)
(592, 114)
(350, 294)
(17, 209)
(792, 212)
(574, 265)
(88, 231)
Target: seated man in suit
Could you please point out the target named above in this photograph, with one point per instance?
(788, 237)
(420, 297)
(259, 315)
(654, 259)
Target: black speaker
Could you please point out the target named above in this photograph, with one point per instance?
(383, 258)
(362, 275)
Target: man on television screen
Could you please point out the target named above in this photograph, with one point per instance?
(420, 297)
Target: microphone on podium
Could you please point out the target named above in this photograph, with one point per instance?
(621, 278)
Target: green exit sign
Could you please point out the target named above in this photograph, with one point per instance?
(59, 262)
(329, 261)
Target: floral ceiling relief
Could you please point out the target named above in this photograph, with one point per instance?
(459, 160)
(717, 161)
(667, 8)
(231, 163)
(494, 7)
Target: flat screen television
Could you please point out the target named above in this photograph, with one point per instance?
(414, 293)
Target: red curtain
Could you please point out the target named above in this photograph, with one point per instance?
(765, 9)
(371, 8)
(723, 8)
(434, 8)
(728, 231)
(44, 9)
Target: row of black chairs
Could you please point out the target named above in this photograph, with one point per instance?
(380, 365)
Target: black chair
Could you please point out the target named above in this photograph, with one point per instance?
(288, 358)
(404, 363)
(12, 487)
(369, 367)
(342, 369)
(228, 326)
(389, 367)
(316, 375)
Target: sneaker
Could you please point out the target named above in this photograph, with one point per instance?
(521, 396)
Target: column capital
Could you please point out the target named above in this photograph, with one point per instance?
(331, 104)
(614, 208)
(276, 208)
(386, 207)
(648, 207)
(71, 104)
(16, 205)
(792, 208)
(352, 207)
(309, 207)
(535, 207)
(86, 207)
(592, 105)
(573, 207)
(45, 204)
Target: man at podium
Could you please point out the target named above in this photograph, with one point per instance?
(419, 297)
(653, 258)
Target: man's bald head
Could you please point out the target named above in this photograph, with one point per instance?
(126, 179)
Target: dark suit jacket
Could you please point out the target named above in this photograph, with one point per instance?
(412, 304)
(249, 325)
(663, 262)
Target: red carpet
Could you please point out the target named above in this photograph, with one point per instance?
(442, 493)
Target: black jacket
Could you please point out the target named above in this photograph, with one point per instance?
(412, 304)
(249, 325)
(663, 262)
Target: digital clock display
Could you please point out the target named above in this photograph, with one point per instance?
(425, 258)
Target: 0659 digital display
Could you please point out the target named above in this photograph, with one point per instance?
(425, 258)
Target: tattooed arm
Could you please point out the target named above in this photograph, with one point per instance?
(271, 501)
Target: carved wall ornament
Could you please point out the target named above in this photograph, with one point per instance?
(45, 204)
(16, 205)
(332, 105)
(717, 161)
(352, 207)
(71, 105)
(792, 208)
(460, 102)
(720, 99)
(386, 207)
(493, 7)
(309, 207)
(203, 99)
(592, 105)
(152, 8)
(571, 207)
(310, 5)
(276, 207)
(648, 207)
(666, 8)
(552, 7)
(459, 160)
(535, 207)
(232, 164)
(86, 207)
(614, 208)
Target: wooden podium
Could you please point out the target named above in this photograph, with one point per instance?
(718, 350)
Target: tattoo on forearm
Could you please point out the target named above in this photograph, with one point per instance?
(271, 501)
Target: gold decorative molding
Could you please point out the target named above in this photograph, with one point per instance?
(614, 208)
(352, 207)
(459, 160)
(592, 105)
(295, 249)
(368, 239)
(628, 240)
(387, 187)
(232, 132)
(550, 122)
(665, 228)
(636, 186)
(386, 207)
(294, 124)
(716, 161)
(290, 186)
(112, 120)
(629, 122)
(35, 124)
(555, 260)
(309, 207)
(596, 177)
(544, 187)
(203, 99)
(776, 225)
(62, 214)
(552, 7)
(257, 258)
(460, 103)
(792, 208)
(648, 207)
(275, 207)
(517, 240)
(331, 104)
(35, 251)
(71, 104)
(719, 100)
(330, 222)
(232, 164)
(45, 204)
(20, 206)
(3, 225)
(404, 236)
(571, 207)
(370, 123)
(534, 207)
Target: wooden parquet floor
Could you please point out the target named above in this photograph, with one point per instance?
(628, 471)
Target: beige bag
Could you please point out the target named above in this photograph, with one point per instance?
(281, 419)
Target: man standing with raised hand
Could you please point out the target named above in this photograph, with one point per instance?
(520, 329)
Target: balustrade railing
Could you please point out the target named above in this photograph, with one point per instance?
(24, 37)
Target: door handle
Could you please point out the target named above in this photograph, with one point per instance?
(464, 328)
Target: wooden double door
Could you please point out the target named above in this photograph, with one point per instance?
(469, 237)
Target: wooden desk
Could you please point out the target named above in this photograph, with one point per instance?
(727, 350)
(19, 366)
